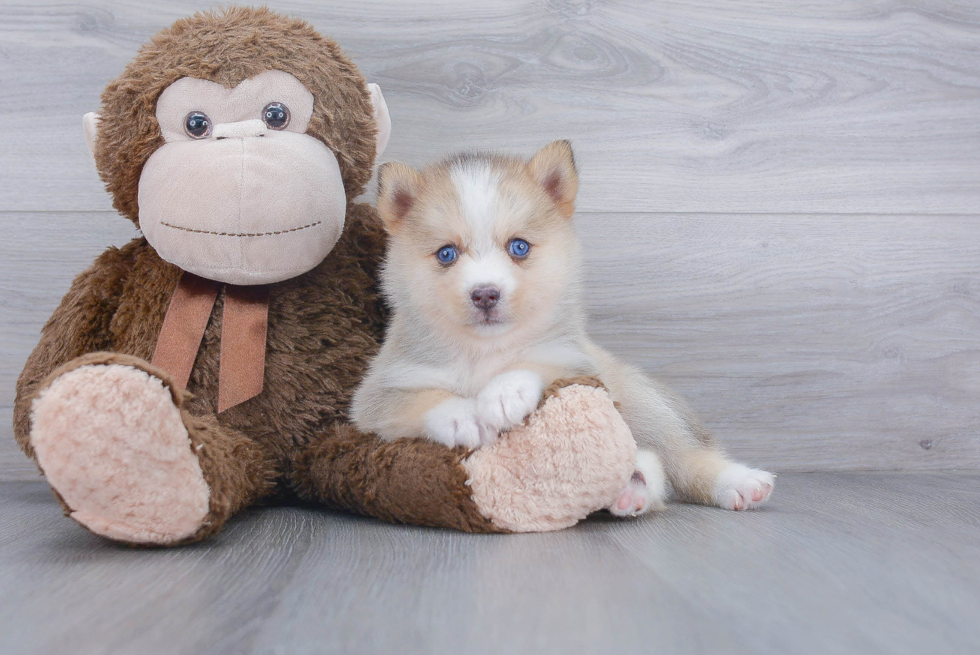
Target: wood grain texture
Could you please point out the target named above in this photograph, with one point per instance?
(805, 342)
(40, 254)
(862, 563)
(679, 106)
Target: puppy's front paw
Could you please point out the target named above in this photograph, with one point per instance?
(454, 422)
(740, 487)
(646, 490)
(509, 398)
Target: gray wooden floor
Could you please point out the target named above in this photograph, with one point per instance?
(860, 563)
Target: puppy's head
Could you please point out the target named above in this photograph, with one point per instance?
(481, 245)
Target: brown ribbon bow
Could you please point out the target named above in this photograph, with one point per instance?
(244, 326)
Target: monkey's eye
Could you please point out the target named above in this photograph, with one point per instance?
(197, 125)
(276, 116)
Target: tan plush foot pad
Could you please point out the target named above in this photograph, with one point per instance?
(573, 457)
(111, 442)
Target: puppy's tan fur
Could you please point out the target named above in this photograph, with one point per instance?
(459, 373)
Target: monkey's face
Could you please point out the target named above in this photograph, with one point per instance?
(239, 193)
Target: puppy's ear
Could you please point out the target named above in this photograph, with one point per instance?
(553, 167)
(398, 191)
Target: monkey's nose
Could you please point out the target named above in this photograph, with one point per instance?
(239, 130)
(485, 297)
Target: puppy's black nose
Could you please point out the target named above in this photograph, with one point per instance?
(485, 297)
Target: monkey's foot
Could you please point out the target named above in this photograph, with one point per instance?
(573, 456)
(113, 445)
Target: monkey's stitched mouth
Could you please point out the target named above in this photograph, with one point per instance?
(240, 234)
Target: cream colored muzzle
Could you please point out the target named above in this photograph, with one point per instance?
(248, 205)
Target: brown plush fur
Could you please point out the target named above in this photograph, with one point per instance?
(292, 439)
(416, 481)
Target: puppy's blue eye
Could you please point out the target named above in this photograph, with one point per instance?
(519, 248)
(446, 255)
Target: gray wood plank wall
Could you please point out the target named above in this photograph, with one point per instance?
(779, 200)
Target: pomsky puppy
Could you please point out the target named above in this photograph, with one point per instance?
(483, 277)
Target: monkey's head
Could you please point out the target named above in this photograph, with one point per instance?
(236, 141)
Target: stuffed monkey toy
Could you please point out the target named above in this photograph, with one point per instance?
(209, 364)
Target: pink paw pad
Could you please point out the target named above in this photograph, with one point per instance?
(633, 499)
(646, 488)
(739, 487)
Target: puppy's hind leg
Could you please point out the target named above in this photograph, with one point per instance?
(706, 476)
(696, 467)
(647, 489)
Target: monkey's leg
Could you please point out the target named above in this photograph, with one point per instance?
(129, 463)
(572, 457)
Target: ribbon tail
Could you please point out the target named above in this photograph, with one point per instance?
(244, 328)
(184, 325)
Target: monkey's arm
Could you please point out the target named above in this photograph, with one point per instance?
(573, 457)
(414, 481)
(80, 325)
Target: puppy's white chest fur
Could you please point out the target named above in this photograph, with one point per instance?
(466, 372)
(471, 376)
(474, 375)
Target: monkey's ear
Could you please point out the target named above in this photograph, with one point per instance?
(398, 191)
(554, 169)
(381, 117)
(90, 122)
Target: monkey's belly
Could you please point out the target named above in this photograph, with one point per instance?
(318, 346)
